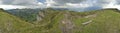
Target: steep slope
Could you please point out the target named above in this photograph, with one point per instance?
(28, 15)
(98, 21)
(12, 24)
(106, 21)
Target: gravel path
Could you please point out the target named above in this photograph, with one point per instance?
(66, 25)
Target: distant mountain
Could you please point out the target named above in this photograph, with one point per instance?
(63, 21)
(26, 14)
(30, 15)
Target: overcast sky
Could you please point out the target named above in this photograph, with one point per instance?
(70, 4)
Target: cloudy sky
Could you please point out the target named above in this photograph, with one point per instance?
(70, 4)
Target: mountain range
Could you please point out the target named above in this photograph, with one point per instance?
(59, 21)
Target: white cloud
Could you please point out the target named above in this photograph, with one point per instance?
(11, 6)
(112, 5)
(50, 3)
(80, 4)
(20, 2)
(77, 5)
(108, 0)
(39, 5)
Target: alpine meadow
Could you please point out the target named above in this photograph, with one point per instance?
(59, 16)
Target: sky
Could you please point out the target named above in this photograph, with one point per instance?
(69, 4)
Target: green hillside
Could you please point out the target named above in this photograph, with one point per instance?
(105, 21)
(98, 21)
(63, 21)
(12, 24)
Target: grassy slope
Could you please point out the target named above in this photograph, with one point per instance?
(49, 24)
(12, 24)
(105, 21)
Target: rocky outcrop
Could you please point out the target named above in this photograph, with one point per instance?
(40, 16)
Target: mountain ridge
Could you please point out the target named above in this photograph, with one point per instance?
(63, 21)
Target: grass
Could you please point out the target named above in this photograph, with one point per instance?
(105, 21)
(11, 24)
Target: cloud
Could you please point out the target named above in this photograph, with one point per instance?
(11, 7)
(0, 2)
(20, 2)
(77, 5)
(118, 1)
(74, 4)
(9, 4)
(113, 4)
(60, 2)
(50, 3)
(67, 1)
(70, 4)
(81, 5)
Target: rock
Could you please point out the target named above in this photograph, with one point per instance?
(87, 22)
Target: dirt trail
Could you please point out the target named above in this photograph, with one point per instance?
(66, 25)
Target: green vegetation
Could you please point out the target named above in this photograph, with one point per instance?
(12, 24)
(63, 21)
(28, 15)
